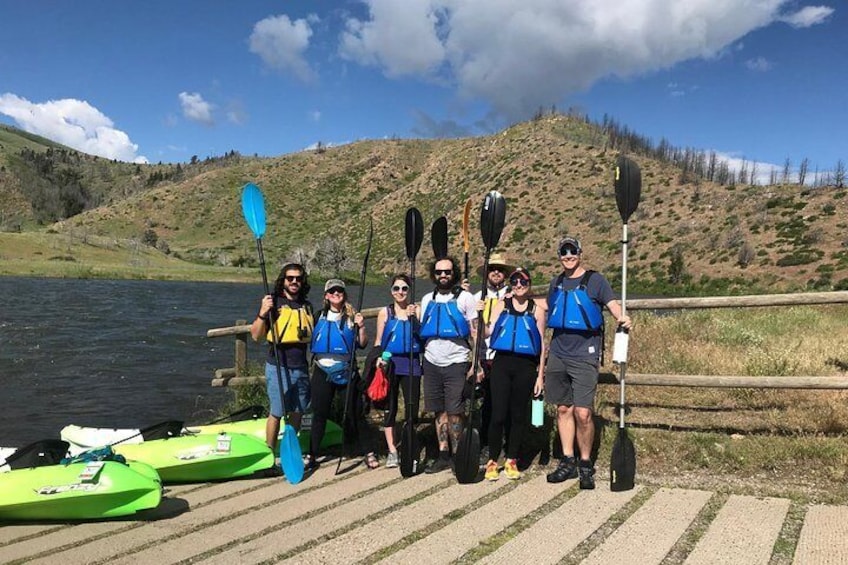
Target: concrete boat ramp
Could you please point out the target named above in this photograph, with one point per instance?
(376, 516)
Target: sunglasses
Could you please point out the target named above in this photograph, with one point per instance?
(400, 288)
(568, 252)
(336, 290)
(443, 271)
(519, 282)
(294, 278)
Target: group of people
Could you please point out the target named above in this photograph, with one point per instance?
(432, 347)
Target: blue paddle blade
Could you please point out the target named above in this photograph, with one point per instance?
(253, 207)
(291, 457)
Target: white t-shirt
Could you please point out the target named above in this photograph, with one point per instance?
(444, 352)
(499, 294)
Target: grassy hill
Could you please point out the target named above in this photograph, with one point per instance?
(688, 235)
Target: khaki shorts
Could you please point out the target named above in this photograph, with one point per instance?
(571, 382)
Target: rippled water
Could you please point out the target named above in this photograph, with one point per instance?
(116, 353)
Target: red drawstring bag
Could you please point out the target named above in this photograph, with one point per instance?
(378, 390)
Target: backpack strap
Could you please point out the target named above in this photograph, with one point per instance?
(584, 280)
(390, 311)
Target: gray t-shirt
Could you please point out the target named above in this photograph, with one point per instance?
(576, 344)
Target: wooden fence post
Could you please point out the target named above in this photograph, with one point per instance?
(241, 351)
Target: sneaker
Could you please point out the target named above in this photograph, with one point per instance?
(564, 471)
(392, 460)
(587, 475)
(309, 463)
(438, 465)
(511, 469)
(492, 472)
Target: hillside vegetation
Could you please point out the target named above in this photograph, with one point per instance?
(688, 235)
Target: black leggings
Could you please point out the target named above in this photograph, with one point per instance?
(401, 384)
(511, 381)
(322, 401)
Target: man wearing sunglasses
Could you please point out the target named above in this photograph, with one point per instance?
(447, 325)
(576, 298)
(292, 314)
(496, 289)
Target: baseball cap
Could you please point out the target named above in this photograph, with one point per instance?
(333, 283)
(569, 243)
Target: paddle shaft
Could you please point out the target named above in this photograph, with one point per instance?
(623, 366)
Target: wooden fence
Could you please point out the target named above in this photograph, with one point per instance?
(235, 375)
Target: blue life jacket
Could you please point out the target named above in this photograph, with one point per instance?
(443, 320)
(330, 337)
(397, 334)
(517, 331)
(574, 309)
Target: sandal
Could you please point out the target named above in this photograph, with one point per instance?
(371, 461)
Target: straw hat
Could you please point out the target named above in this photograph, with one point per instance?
(497, 259)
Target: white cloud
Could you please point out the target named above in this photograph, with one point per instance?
(519, 56)
(401, 37)
(808, 16)
(196, 109)
(315, 115)
(236, 114)
(74, 123)
(759, 64)
(281, 44)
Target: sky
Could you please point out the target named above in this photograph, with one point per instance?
(166, 80)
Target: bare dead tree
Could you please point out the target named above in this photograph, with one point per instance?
(787, 170)
(802, 171)
(839, 174)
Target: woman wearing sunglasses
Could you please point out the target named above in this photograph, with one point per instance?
(397, 333)
(516, 328)
(338, 330)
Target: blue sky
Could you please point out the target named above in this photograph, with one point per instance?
(163, 80)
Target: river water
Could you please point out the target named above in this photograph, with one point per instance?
(118, 353)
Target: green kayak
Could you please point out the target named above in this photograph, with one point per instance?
(78, 491)
(201, 457)
(256, 427)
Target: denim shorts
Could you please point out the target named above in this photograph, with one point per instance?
(297, 397)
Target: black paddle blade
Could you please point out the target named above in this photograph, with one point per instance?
(628, 186)
(492, 218)
(414, 232)
(622, 463)
(409, 450)
(439, 237)
(467, 458)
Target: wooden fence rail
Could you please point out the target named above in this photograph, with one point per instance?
(235, 376)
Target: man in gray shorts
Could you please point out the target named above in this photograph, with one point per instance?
(576, 299)
(447, 324)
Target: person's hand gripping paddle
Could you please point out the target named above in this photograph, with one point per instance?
(467, 461)
(409, 449)
(291, 457)
(628, 189)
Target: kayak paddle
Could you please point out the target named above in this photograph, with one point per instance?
(351, 362)
(467, 462)
(466, 243)
(628, 189)
(409, 450)
(291, 457)
(439, 238)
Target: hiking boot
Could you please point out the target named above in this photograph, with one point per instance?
(392, 460)
(511, 469)
(564, 471)
(492, 472)
(484, 454)
(438, 465)
(587, 475)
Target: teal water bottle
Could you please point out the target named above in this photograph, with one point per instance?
(537, 414)
(386, 356)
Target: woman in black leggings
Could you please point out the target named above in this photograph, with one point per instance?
(395, 324)
(515, 329)
(338, 330)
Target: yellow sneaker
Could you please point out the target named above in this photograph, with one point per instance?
(492, 473)
(511, 469)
